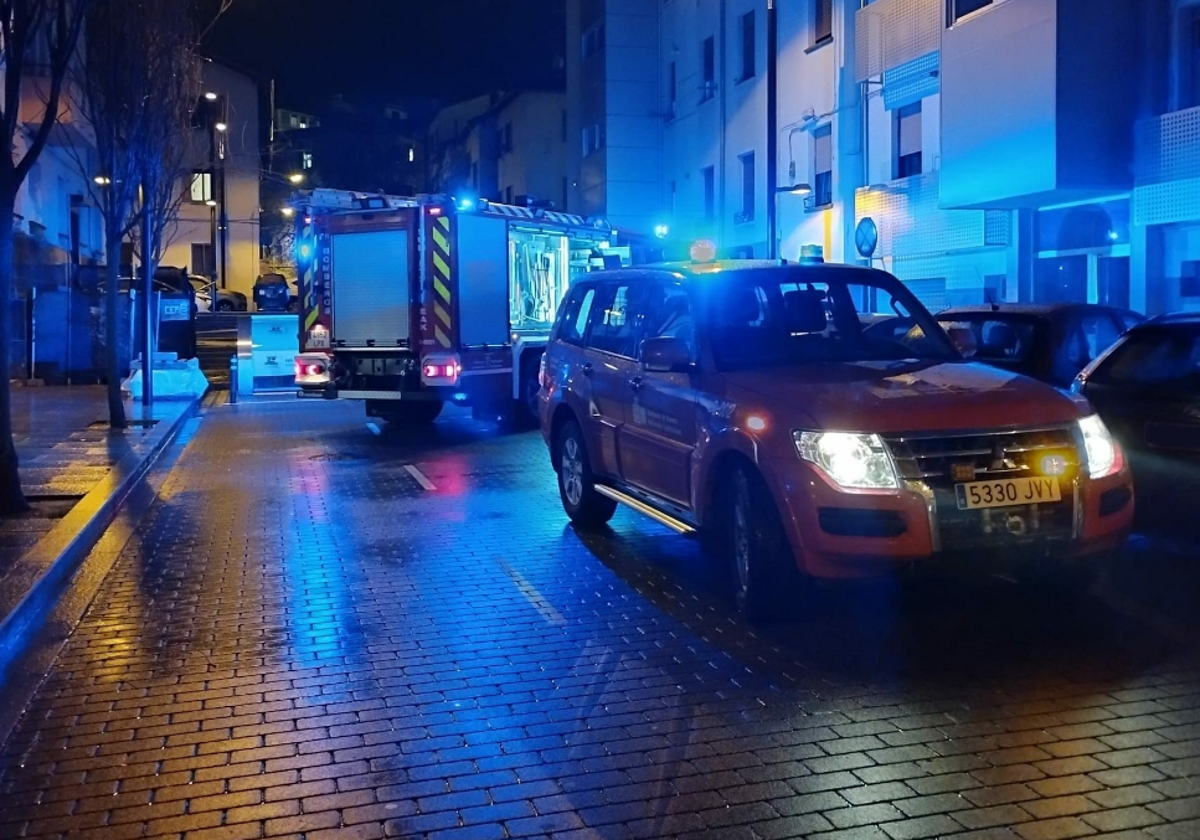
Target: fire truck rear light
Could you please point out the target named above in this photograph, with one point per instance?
(315, 370)
(431, 371)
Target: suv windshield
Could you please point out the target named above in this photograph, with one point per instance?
(769, 317)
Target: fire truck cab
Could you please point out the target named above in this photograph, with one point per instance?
(412, 303)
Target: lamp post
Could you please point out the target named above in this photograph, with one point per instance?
(147, 308)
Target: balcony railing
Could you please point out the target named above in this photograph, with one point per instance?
(1167, 169)
(891, 33)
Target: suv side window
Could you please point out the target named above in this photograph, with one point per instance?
(669, 314)
(614, 320)
(575, 315)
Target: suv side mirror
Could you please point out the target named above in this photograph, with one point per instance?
(666, 354)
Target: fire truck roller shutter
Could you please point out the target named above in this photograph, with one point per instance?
(371, 288)
(482, 244)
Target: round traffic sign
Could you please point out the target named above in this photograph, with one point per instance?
(866, 237)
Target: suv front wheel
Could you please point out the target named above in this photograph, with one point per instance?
(764, 574)
(576, 485)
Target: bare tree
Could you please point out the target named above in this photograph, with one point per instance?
(38, 40)
(139, 87)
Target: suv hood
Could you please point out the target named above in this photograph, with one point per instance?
(890, 397)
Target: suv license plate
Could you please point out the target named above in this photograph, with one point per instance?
(1007, 492)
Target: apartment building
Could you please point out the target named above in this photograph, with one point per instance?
(978, 149)
(216, 233)
(508, 147)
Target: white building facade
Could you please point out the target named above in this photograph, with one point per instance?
(978, 149)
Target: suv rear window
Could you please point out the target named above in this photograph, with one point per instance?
(614, 324)
(769, 317)
(575, 314)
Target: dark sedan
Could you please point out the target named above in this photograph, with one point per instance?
(1052, 342)
(1147, 390)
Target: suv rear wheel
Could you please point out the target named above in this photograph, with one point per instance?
(576, 486)
(764, 573)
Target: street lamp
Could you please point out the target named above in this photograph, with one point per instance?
(287, 212)
(210, 96)
(221, 126)
(102, 180)
(296, 177)
(795, 189)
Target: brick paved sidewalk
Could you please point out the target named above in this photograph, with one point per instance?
(303, 641)
(66, 449)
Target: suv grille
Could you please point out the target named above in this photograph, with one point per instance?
(943, 462)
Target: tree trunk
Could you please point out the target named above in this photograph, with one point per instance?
(112, 329)
(12, 500)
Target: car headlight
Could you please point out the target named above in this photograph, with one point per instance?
(1103, 454)
(853, 461)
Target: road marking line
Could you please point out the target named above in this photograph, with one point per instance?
(535, 598)
(420, 477)
(375, 430)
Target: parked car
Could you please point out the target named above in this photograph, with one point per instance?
(745, 402)
(227, 299)
(1051, 342)
(1147, 389)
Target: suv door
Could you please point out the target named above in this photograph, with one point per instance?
(658, 439)
(610, 367)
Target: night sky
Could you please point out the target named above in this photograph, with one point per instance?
(392, 49)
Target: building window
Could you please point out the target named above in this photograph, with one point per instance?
(823, 166)
(708, 62)
(708, 177)
(306, 161)
(201, 191)
(593, 40)
(593, 139)
(672, 89)
(506, 139)
(747, 161)
(822, 21)
(908, 141)
(202, 259)
(956, 10)
(748, 47)
(508, 195)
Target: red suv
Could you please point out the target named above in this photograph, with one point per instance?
(770, 409)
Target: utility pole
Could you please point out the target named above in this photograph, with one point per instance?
(223, 137)
(772, 130)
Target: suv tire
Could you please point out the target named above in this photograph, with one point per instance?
(763, 570)
(576, 486)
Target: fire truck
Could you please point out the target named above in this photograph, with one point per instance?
(411, 303)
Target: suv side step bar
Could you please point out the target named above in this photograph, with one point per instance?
(677, 525)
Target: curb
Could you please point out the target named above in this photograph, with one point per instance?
(42, 573)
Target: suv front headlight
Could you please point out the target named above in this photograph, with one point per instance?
(853, 461)
(1103, 454)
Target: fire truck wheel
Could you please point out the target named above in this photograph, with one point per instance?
(580, 500)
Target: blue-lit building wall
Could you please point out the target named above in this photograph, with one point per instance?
(1028, 150)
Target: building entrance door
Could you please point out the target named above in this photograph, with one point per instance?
(1084, 276)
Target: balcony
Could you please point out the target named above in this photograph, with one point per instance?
(1167, 169)
(891, 33)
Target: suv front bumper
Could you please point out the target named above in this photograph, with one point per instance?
(835, 533)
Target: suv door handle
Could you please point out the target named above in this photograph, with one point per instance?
(635, 383)
(586, 370)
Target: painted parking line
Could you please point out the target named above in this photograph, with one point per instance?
(535, 598)
(420, 477)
